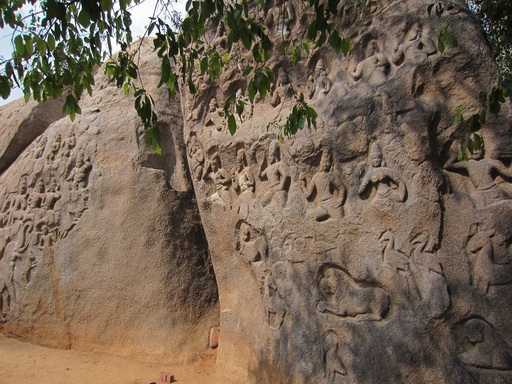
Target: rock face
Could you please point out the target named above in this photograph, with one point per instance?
(101, 242)
(359, 252)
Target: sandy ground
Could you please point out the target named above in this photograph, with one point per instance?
(22, 363)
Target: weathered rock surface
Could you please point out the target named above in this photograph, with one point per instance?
(359, 252)
(101, 242)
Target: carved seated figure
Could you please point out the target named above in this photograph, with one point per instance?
(197, 159)
(215, 116)
(482, 173)
(222, 182)
(387, 182)
(374, 69)
(328, 191)
(283, 90)
(244, 176)
(278, 175)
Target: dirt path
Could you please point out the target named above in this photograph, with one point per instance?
(27, 363)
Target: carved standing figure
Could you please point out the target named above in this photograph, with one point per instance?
(320, 83)
(387, 182)
(243, 174)
(327, 189)
(333, 364)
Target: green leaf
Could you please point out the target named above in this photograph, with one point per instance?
(19, 45)
(106, 5)
(84, 18)
(232, 124)
(51, 42)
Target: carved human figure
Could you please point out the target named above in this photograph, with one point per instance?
(283, 90)
(80, 173)
(19, 202)
(429, 276)
(281, 18)
(44, 237)
(222, 182)
(278, 175)
(374, 69)
(54, 149)
(327, 189)
(215, 115)
(333, 364)
(197, 159)
(275, 307)
(387, 182)
(483, 347)
(35, 200)
(483, 173)
(5, 304)
(342, 296)
(252, 248)
(39, 148)
(50, 200)
(480, 249)
(68, 145)
(415, 49)
(320, 83)
(244, 175)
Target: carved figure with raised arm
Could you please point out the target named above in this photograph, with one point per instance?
(278, 175)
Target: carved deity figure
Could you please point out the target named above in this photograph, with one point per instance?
(429, 276)
(278, 175)
(480, 249)
(197, 159)
(281, 18)
(35, 200)
(54, 149)
(374, 69)
(482, 173)
(415, 49)
(387, 182)
(344, 297)
(68, 145)
(80, 173)
(327, 189)
(483, 347)
(51, 197)
(320, 83)
(334, 366)
(19, 202)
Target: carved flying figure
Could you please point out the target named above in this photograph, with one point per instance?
(429, 276)
(482, 172)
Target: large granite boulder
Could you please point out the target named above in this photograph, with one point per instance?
(362, 251)
(359, 252)
(101, 245)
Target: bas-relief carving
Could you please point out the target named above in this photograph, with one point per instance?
(387, 182)
(277, 174)
(374, 69)
(344, 297)
(275, 306)
(327, 191)
(221, 181)
(46, 205)
(481, 346)
(334, 368)
(416, 47)
(486, 272)
(483, 174)
(319, 83)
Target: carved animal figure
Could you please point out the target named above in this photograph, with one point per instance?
(486, 272)
(255, 249)
(345, 298)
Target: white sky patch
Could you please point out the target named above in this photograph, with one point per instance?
(140, 20)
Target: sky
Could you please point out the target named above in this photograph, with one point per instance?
(140, 19)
